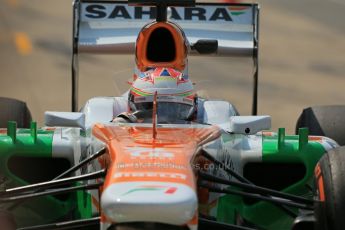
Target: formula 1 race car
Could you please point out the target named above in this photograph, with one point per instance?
(204, 168)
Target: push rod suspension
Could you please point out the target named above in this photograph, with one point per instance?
(242, 179)
(74, 224)
(273, 200)
(255, 188)
(45, 185)
(50, 192)
(82, 163)
(225, 167)
(205, 224)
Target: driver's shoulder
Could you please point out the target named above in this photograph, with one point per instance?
(125, 117)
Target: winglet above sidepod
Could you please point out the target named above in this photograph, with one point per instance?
(303, 137)
(12, 130)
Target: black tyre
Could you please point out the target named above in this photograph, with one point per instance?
(330, 191)
(14, 110)
(7, 221)
(326, 121)
(146, 226)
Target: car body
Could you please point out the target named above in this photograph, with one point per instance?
(173, 175)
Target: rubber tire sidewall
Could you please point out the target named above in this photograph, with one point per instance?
(330, 213)
(14, 110)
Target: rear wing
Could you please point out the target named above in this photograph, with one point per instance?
(111, 27)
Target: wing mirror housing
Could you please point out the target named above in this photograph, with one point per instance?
(216, 112)
(248, 125)
(205, 46)
(65, 119)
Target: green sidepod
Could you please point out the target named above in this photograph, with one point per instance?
(277, 149)
(26, 158)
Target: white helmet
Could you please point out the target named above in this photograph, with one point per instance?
(176, 98)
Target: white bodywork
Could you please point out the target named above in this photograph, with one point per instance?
(103, 109)
(64, 119)
(248, 125)
(169, 203)
(68, 144)
(217, 112)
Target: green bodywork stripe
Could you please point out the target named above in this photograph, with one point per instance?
(84, 202)
(186, 94)
(237, 13)
(141, 93)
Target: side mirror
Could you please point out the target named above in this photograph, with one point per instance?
(205, 46)
(249, 125)
(216, 112)
(65, 119)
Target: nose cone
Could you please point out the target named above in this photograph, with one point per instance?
(169, 203)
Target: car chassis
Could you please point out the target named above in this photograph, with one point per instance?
(244, 159)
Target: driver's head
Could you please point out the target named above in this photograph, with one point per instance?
(176, 98)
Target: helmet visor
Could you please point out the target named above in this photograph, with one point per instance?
(167, 112)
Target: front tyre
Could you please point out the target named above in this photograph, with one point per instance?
(146, 226)
(330, 190)
(7, 221)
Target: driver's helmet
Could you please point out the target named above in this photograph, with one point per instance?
(176, 98)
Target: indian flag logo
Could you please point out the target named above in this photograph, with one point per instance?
(165, 189)
(238, 10)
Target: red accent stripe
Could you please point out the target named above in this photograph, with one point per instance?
(171, 190)
(154, 117)
(3, 131)
(268, 134)
(315, 138)
(320, 184)
(239, 8)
